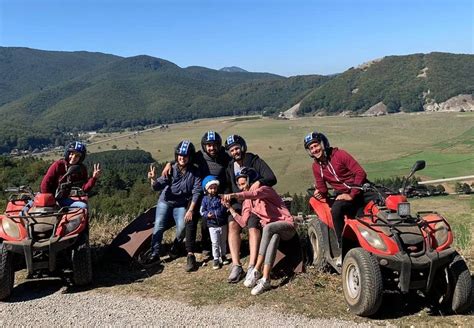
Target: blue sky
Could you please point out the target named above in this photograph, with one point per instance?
(281, 36)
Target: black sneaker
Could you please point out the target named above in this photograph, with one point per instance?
(216, 264)
(190, 263)
(174, 251)
(153, 259)
(225, 260)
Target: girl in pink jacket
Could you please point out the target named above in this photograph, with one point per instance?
(275, 219)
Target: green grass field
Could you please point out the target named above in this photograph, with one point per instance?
(385, 146)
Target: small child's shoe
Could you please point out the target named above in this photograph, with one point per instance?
(216, 264)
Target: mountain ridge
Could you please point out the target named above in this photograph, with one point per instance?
(49, 96)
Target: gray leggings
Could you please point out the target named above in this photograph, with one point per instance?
(271, 235)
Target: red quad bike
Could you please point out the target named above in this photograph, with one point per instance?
(46, 239)
(386, 248)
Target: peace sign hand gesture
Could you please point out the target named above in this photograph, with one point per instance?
(152, 172)
(97, 171)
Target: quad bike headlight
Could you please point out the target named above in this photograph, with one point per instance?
(73, 223)
(403, 209)
(372, 238)
(441, 232)
(10, 228)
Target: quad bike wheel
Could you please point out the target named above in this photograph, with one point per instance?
(452, 287)
(318, 245)
(362, 282)
(7, 274)
(82, 263)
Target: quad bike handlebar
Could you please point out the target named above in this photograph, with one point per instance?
(382, 191)
(20, 189)
(23, 193)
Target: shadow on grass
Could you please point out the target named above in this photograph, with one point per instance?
(112, 269)
(396, 305)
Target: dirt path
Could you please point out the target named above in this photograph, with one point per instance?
(47, 302)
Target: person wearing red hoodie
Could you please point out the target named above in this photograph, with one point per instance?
(339, 169)
(74, 154)
(276, 220)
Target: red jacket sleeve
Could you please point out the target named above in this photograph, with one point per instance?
(359, 174)
(90, 182)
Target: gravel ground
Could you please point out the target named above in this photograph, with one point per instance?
(53, 305)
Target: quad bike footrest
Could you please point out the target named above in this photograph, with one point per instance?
(52, 246)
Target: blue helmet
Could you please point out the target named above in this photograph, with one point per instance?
(185, 148)
(235, 140)
(78, 147)
(211, 137)
(319, 138)
(249, 173)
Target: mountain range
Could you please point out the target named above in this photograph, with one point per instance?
(47, 96)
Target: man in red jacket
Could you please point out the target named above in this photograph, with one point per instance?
(74, 154)
(338, 168)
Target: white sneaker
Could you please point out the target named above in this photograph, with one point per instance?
(251, 278)
(261, 286)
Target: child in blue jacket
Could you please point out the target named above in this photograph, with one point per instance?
(216, 215)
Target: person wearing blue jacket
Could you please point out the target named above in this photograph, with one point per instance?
(180, 192)
(215, 214)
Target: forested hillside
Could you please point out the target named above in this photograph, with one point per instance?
(47, 98)
(135, 92)
(24, 70)
(402, 83)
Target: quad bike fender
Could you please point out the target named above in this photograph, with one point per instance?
(437, 226)
(353, 230)
(74, 214)
(15, 206)
(322, 210)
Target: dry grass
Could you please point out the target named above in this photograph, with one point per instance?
(312, 294)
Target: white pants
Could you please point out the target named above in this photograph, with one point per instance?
(219, 241)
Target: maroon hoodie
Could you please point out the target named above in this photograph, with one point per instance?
(341, 171)
(57, 170)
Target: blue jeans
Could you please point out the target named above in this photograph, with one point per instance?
(71, 203)
(164, 213)
(62, 202)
